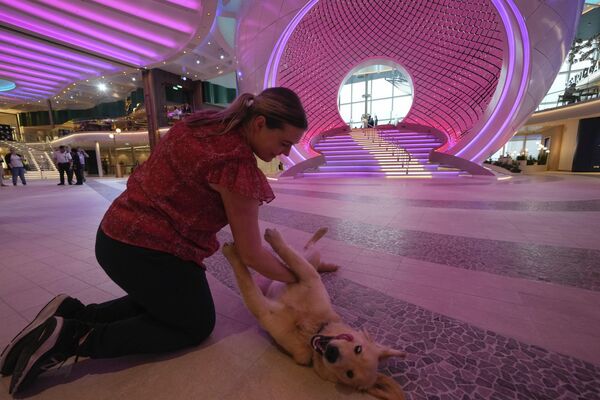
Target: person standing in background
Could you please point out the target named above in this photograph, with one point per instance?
(78, 157)
(15, 163)
(63, 162)
(2, 161)
(70, 170)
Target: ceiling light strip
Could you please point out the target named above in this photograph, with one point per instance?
(44, 60)
(24, 63)
(29, 71)
(24, 78)
(22, 83)
(191, 4)
(14, 96)
(67, 55)
(68, 37)
(36, 91)
(144, 11)
(55, 25)
(95, 16)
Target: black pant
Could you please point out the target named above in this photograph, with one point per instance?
(62, 168)
(70, 174)
(79, 174)
(168, 304)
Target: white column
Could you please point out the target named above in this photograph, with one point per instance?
(99, 160)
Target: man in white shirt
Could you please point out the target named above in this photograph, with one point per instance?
(63, 160)
(15, 163)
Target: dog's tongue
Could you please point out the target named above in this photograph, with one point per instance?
(319, 342)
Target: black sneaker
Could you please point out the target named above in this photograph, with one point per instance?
(62, 305)
(52, 343)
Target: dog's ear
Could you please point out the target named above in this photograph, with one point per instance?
(386, 388)
(386, 352)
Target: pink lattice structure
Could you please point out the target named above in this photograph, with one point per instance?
(454, 68)
(479, 67)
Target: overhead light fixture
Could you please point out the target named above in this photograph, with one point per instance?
(197, 61)
(221, 56)
(102, 87)
(133, 79)
(179, 87)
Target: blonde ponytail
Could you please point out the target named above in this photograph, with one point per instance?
(278, 105)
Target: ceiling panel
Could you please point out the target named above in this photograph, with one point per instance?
(46, 45)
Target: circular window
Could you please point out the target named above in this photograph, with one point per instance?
(374, 93)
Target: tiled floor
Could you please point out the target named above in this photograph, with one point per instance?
(493, 287)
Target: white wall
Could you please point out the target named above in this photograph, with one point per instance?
(569, 144)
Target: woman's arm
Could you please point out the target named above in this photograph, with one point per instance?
(242, 214)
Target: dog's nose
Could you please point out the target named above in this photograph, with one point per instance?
(332, 353)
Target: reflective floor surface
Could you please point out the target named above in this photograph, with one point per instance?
(491, 286)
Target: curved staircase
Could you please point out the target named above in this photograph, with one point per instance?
(382, 153)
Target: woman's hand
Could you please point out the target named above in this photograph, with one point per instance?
(242, 215)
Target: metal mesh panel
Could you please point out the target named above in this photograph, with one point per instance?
(451, 48)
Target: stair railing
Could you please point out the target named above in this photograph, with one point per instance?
(401, 154)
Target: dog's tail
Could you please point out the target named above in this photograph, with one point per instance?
(316, 237)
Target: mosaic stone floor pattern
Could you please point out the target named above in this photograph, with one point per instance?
(563, 265)
(449, 359)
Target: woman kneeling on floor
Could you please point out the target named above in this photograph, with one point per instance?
(155, 236)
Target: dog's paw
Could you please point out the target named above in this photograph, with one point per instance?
(272, 236)
(327, 267)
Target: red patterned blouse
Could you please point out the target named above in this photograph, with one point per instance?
(168, 204)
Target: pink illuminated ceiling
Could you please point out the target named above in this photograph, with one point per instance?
(45, 45)
(452, 49)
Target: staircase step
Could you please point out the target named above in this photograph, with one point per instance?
(380, 168)
(395, 136)
(364, 141)
(371, 146)
(355, 155)
(420, 174)
(390, 163)
(424, 151)
(329, 158)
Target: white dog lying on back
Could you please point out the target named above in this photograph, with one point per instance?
(300, 318)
